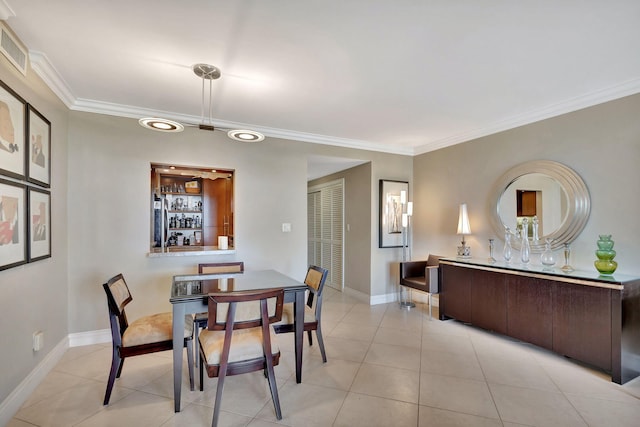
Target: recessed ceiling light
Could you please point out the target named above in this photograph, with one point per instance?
(161, 125)
(245, 135)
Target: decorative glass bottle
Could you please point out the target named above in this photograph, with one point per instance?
(506, 252)
(567, 259)
(605, 253)
(534, 227)
(546, 258)
(525, 249)
(491, 258)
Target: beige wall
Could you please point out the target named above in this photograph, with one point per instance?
(35, 296)
(601, 143)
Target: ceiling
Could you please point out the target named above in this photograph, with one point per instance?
(402, 76)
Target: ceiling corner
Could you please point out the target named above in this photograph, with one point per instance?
(5, 11)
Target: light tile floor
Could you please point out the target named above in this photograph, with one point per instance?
(387, 366)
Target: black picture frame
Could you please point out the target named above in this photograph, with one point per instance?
(390, 213)
(39, 148)
(13, 131)
(39, 216)
(13, 228)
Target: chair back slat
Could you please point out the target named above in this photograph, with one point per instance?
(118, 293)
(221, 267)
(315, 279)
(247, 312)
(118, 296)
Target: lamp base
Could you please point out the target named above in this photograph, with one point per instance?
(464, 251)
(407, 304)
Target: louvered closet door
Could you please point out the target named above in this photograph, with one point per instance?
(325, 212)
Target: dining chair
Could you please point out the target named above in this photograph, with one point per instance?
(315, 279)
(239, 338)
(148, 334)
(200, 319)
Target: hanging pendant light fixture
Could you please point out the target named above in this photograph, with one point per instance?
(210, 73)
(206, 72)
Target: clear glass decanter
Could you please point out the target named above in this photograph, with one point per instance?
(546, 258)
(525, 250)
(506, 252)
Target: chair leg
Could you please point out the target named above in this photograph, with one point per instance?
(310, 339)
(273, 387)
(114, 372)
(120, 368)
(189, 346)
(321, 343)
(216, 407)
(201, 367)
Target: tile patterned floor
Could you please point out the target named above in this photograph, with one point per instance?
(387, 367)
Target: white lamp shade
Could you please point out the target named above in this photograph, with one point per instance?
(403, 197)
(463, 220)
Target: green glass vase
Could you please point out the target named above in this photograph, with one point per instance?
(605, 253)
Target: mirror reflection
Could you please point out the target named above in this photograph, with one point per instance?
(537, 197)
(546, 193)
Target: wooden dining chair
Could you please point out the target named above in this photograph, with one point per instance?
(148, 334)
(240, 338)
(200, 319)
(315, 279)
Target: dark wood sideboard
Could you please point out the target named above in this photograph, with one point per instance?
(591, 318)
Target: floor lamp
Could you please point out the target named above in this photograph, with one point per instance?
(407, 212)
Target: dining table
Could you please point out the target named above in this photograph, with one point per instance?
(189, 295)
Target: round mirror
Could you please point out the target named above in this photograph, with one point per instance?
(547, 193)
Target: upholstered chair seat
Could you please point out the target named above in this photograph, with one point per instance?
(154, 328)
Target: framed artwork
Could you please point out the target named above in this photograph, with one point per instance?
(39, 224)
(13, 229)
(39, 150)
(390, 235)
(12, 132)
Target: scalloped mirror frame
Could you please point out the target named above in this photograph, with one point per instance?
(579, 205)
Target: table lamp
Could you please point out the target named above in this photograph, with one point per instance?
(464, 251)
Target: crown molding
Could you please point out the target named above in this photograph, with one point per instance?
(52, 78)
(99, 107)
(630, 87)
(5, 11)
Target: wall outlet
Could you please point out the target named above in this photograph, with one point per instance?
(286, 227)
(38, 340)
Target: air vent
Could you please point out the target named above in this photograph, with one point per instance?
(13, 50)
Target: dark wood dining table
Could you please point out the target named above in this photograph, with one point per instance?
(189, 296)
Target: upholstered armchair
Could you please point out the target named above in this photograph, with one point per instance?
(422, 276)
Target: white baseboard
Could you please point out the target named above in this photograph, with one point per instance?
(12, 404)
(91, 337)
